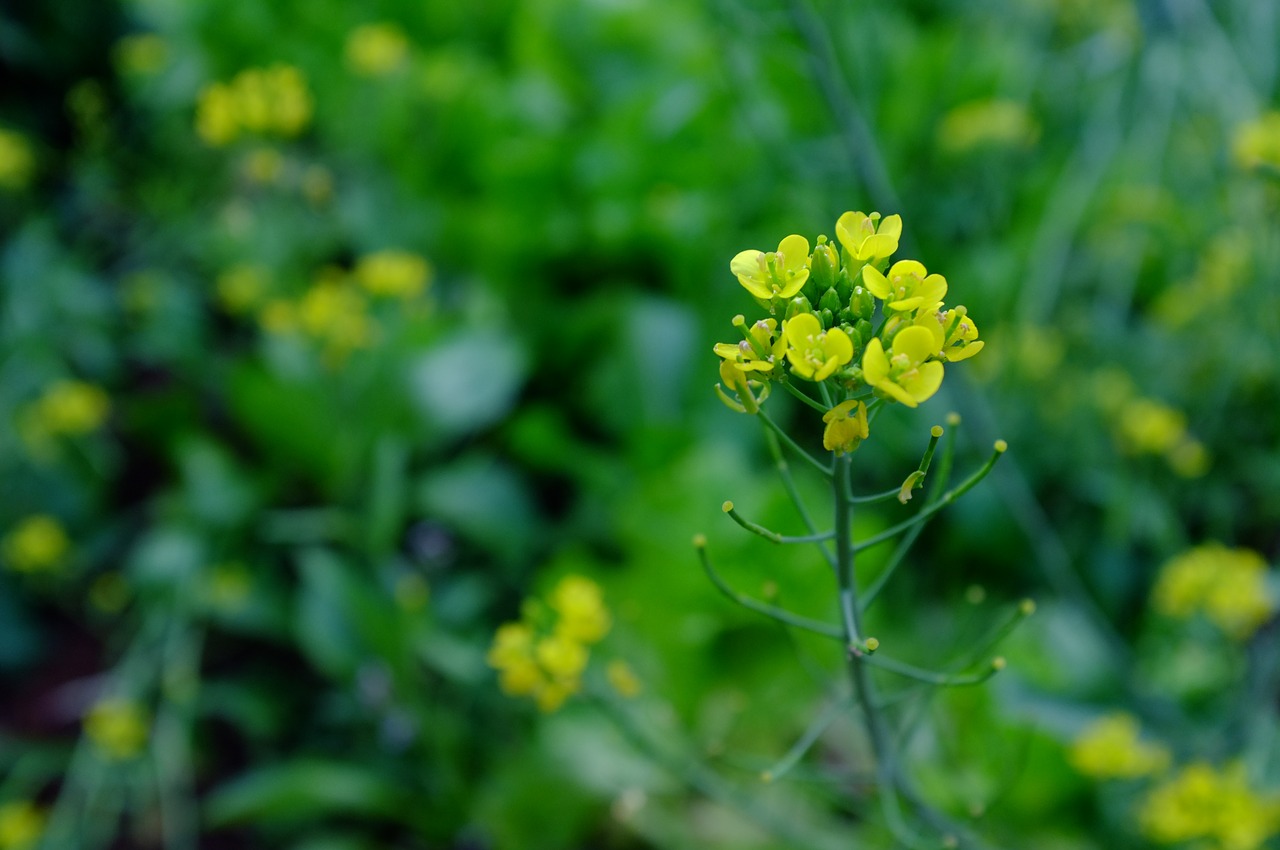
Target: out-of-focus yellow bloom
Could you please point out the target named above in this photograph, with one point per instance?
(561, 656)
(1110, 748)
(141, 55)
(375, 50)
(69, 407)
(1189, 458)
(760, 352)
(907, 288)
(1147, 426)
(36, 544)
(397, 274)
(21, 825)
(580, 604)
(118, 728)
(1229, 586)
(996, 123)
(335, 314)
(1257, 142)
(846, 427)
(1215, 806)
(17, 161)
(216, 120)
(814, 353)
(272, 101)
(774, 274)
(241, 288)
(864, 239)
(905, 373)
(623, 678)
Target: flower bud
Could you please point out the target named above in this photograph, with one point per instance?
(824, 265)
(862, 303)
(827, 318)
(830, 301)
(864, 331)
(798, 305)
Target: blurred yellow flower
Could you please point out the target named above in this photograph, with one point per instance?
(1110, 748)
(118, 728)
(580, 605)
(141, 55)
(67, 407)
(241, 288)
(17, 161)
(216, 120)
(866, 237)
(1257, 142)
(273, 101)
(35, 544)
(1229, 586)
(263, 166)
(992, 122)
(1215, 806)
(905, 373)
(623, 678)
(814, 353)
(335, 314)
(397, 274)
(21, 825)
(375, 50)
(774, 274)
(846, 427)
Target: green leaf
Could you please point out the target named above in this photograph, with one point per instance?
(306, 790)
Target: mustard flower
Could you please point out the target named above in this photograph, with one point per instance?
(814, 353)
(242, 287)
(512, 656)
(761, 351)
(774, 274)
(864, 239)
(993, 123)
(1258, 142)
(561, 656)
(118, 728)
(954, 332)
(398, 274)
(17, 162)
(846, 427)
(1215, 806)
(216, 120)
(739, 383)
(67, 407)
(376, 50)
(1110, 748)
(580, 606)
(21, 825)
(1229, 586)
(36, 544)
(907, 286)
(905, 373)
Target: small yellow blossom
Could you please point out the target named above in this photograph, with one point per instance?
(118, 728)
(1215, 806)
(987, 123)
(272, 101)
(1110, 748)
(774, 274)
(73, 407)
(216, 120)
(376, 50)
(1147, 426)
(814, 353)
(740, 384)
(1258, 142)
(21, 825)
(623, 678)
(36, 544)
(580, 606)
(335, 314)
(905, 373)
(241, 288)
(864, 239)
(760, 352)
(1229, 586)
(17, 161)
(954, 332)
(397, 274)
(907, 287)
(141, 55)
(846, 427)
(561, 656)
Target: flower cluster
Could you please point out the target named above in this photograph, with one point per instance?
(1111, 748)
(35, 544)
(1210, 805)
(822, 303)
(376, 50)
(544, 655)
(258, 101)
(1229, 586)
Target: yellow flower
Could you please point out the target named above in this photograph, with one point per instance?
(375, 50)
(1217, 806)
(35, 544)
(905, 373)
(739, 383)
(846, 427)
(864, 240)
(623, 678)
(907, 287)
(141, 55)
(398, 274)
(216, 120)
(813, 352)
(335, 314)
(1258, 142)
(1229, 586)
(954, 332)
(760, 352)
(258, 100)
(21, 825)
(775, 274)
(17, 162)
(561, 656)
(118, 728)
(242, 287)
(580, 606)
(70, 407)
(1148, 426)
(1110, 748)
(987, 123)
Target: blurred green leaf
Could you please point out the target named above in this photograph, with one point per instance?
(304, 791)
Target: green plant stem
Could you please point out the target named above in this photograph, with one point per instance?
(793, 445)
(780, 614)
(789, 484)
(930, 677)
(819, 725)
(773, 536)
(787, 385)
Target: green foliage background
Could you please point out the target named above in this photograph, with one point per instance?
(579, 173)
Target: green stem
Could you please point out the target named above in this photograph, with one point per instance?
(780, 614)
(930, 677)
(789, 387)
(789, 484)
(773, 536)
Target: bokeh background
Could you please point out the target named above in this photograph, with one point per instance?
(331, 332)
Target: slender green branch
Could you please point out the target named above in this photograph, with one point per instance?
(773, 536)
(934, 677)
(807, 740)
(789, 484)
(791, 388)
(780, 614)
(882, 496)
(793, 445)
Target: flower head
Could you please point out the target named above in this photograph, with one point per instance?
(399, 274)
(774, 274)
(118, 728)
(760, 352)
(1229, 586)
(1110, 748)
(864, 239)
(953, 330)
(21, 825)
(35, 544)
(846, 427)
(905, 373)
(814, 353)
(1206, 803)
(907, 287)
(375, 50)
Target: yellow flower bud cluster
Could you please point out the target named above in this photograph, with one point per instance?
(1215, 807)
(118, 728)
(376, 50)
(393, 274)
(66, 408)
(544, 655)
(17, 161)
(1111, 748)
(36, 544)
(1228, 586)
(1144, 425)
(822, 304)
(21, 825)
(258, 101)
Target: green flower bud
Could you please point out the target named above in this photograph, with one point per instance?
(824, 265)
(844, 285)
(828, 318)
(864, 331)
(798, 305)
(862, 303)
(830, 301)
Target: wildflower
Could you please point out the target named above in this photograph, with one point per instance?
(846, 427)
(17, 162)
(907, 286)
(241, 288)
(814, 353)
(580, 606)
(375, 50)
(1258, 142)
(398, 274)
(759, 352)
(1217, 806)
(141, 55)
(775, 274)
(623, 678)
(993, 123)
(1110, 748)
(118, 728)
(864, 239)
(1229, 586)
(336, 315)
(954, 332)
(216, 120)
(1148, 426)
(905, 373)
(21, 825)
(73, 407)
(271, 100)
(36, 544)
(739, 383)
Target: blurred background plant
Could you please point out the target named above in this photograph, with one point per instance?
(331, 333)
